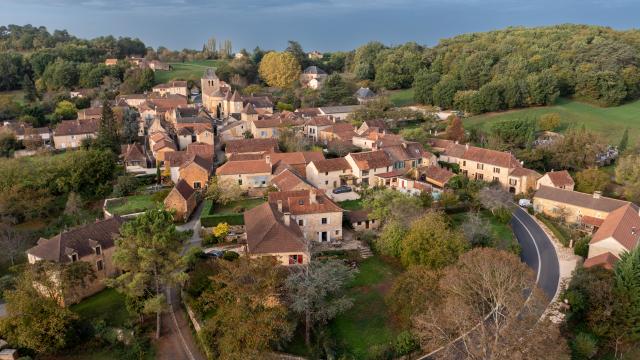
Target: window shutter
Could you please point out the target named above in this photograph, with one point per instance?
(299, 259)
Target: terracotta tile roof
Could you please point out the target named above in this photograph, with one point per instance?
(258, 102)
(267, 232)
(392, 174)
(183, 189)
(164, 143)
(244, 167)
(171, 84)
(522, 171)
(244, 157)
(275, 122)
(371, 159)
(328, 165)
(199, 161)
(288, 180)
(251, 145)
(319, 121)
(133, 152)
(560, 178)
(606, 260)
(405, 151)
(576, 198)
(76, 127)
(249, 109)
(377, 123)
(81, 240)
(622, 224)
(302, 157)
(357, 216)
(438, 174)
(299, 202)
(205, 150)
(590, 220)
(176, 158)
(492, 157)
(308, 112)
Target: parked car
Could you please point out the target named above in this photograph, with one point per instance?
(525, 203)
(216, 254)
(342, 189)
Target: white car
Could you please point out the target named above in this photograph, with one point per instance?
(525, 203)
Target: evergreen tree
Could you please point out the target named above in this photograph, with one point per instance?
(626, 313)
(624, 141)
(29, 89)
(108, 131)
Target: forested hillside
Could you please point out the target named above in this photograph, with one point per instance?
(515, 67)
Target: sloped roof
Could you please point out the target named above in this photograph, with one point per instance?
(327, 165)
(314, 70)
(76, 127)
(579, 199)
(197, 160)
(622, 224)
(267, 232)
(294, 158)
(210, 74)
(355, 216)
(492, 157)
(299, 202)
(133, 152)
(249, 109)
(236, 97)
(244, 167)
(520, 171)
(371, 159)
(339, 109)
(288, 180)
(81, 240)
(606, 260)
(250, 145)
(319, 121)
(438, 174)
(183, 189)
(365, 93)
(560, 178)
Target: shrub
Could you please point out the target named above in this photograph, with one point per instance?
(405, 344)
(160, 195)
(503, 215)
(585, 346)
(125, 185)
(581, 247)
(230, 255)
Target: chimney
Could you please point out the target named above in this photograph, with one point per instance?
(279, 205)
(634, 230)
(466, 146)
(287, 218)
(312, 196)
(268, 159)
(597, 194)
(457, 142)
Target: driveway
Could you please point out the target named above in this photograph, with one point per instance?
(192, 224)
(352, 195)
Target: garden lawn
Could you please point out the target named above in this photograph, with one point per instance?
(238, 207)
(502, 233)
(133, 204)
(608, 122)
(231, 213)
(186, 71)
(368, 323)
(107, 305)
(401, 97)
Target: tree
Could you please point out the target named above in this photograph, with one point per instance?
(279, 69)
(26, 307)
(413, 292)
(591, 180)
(549, 122)
(223, 191)
(248, 316)
(423, 85)
(445, 90)
(494, 198)
(221, 231)
(577, 150)
(8, 143)
(148, 251)
(317, 292)
(454, 130)
(626, 314)
(430, 242)
(628, 174)
(477, 230)
(486, 299)
(389, 242)
(624, 141)
(295, 49)
(335, 91)
(66, 110)
(13, 243)
(29, 89)
(108, 131)
(130, 126)
(390, 205)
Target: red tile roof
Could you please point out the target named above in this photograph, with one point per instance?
(371, 160)
(606, 260)
(244, 167)
(299, 202)
(267, 232)
(328, 165)
(438, 174)
(76, 127)
(623, 225)
(287, 180)
(560, 178)
(251, 145)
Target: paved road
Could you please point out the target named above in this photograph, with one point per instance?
(537, 251)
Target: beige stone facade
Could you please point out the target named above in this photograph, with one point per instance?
(70, 141)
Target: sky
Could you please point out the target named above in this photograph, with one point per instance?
(323, 25)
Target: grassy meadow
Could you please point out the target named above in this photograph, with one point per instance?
(186, 71)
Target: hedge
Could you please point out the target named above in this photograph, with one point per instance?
(213, 220)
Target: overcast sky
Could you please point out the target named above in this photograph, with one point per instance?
(317, 24)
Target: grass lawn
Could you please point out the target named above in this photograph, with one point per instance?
(608, 122)
(351, 205)
(186, 71)
(368, 323)
(401, 97)
(238, 207)
(17, 95)
(107, 305)
(133, 204)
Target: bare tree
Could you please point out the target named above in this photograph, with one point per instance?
(12, 242)
(476, 230)
(489, 309)
(494, 197)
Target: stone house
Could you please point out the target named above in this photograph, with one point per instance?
(196, 172)
(364, 95)
(93, 113)
(360, 220)
(365, 165)
(289, 179)
(619, 233)
(314, 125)
(234, 130)
(249, 174)
(313, 73)
(250, 146)
(182, 200)
(319, 218)
(329, 174)
(558, 179)
(173, 87)
(342, 132)
(436, 176)
(70, 133)
(272, 233)
(93, 243)
(338, 113)
(134, 155)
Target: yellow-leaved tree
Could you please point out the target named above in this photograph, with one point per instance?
(279, 69)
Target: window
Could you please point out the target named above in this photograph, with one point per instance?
(496, 170)
(479, 176)
(300, 222)
(326, 182)
(100, 265)
(300, 202)
(324, 221)
(359, 222)
(464, 163)
(365, 181)
(326, 173)
(513, 182)
(480, 166)
(495, 178)
(263, 133)
(239, 181)
(365, 172)
(98, 250)
(197, 185)
(337, 232)
(295, 259)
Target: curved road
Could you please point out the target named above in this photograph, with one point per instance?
(537, 251)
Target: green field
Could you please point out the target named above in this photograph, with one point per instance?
(401, 97)
(351, 205)
(608, 122)
(107, 305)
(133, 204)
(368, 324)
(186, 71)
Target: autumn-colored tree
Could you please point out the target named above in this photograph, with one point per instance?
(628, 174)
(454, 130)
(430, 242)
(280, 70)
(412, 292)
(223, 191)
(591, 180)
(549, 122)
